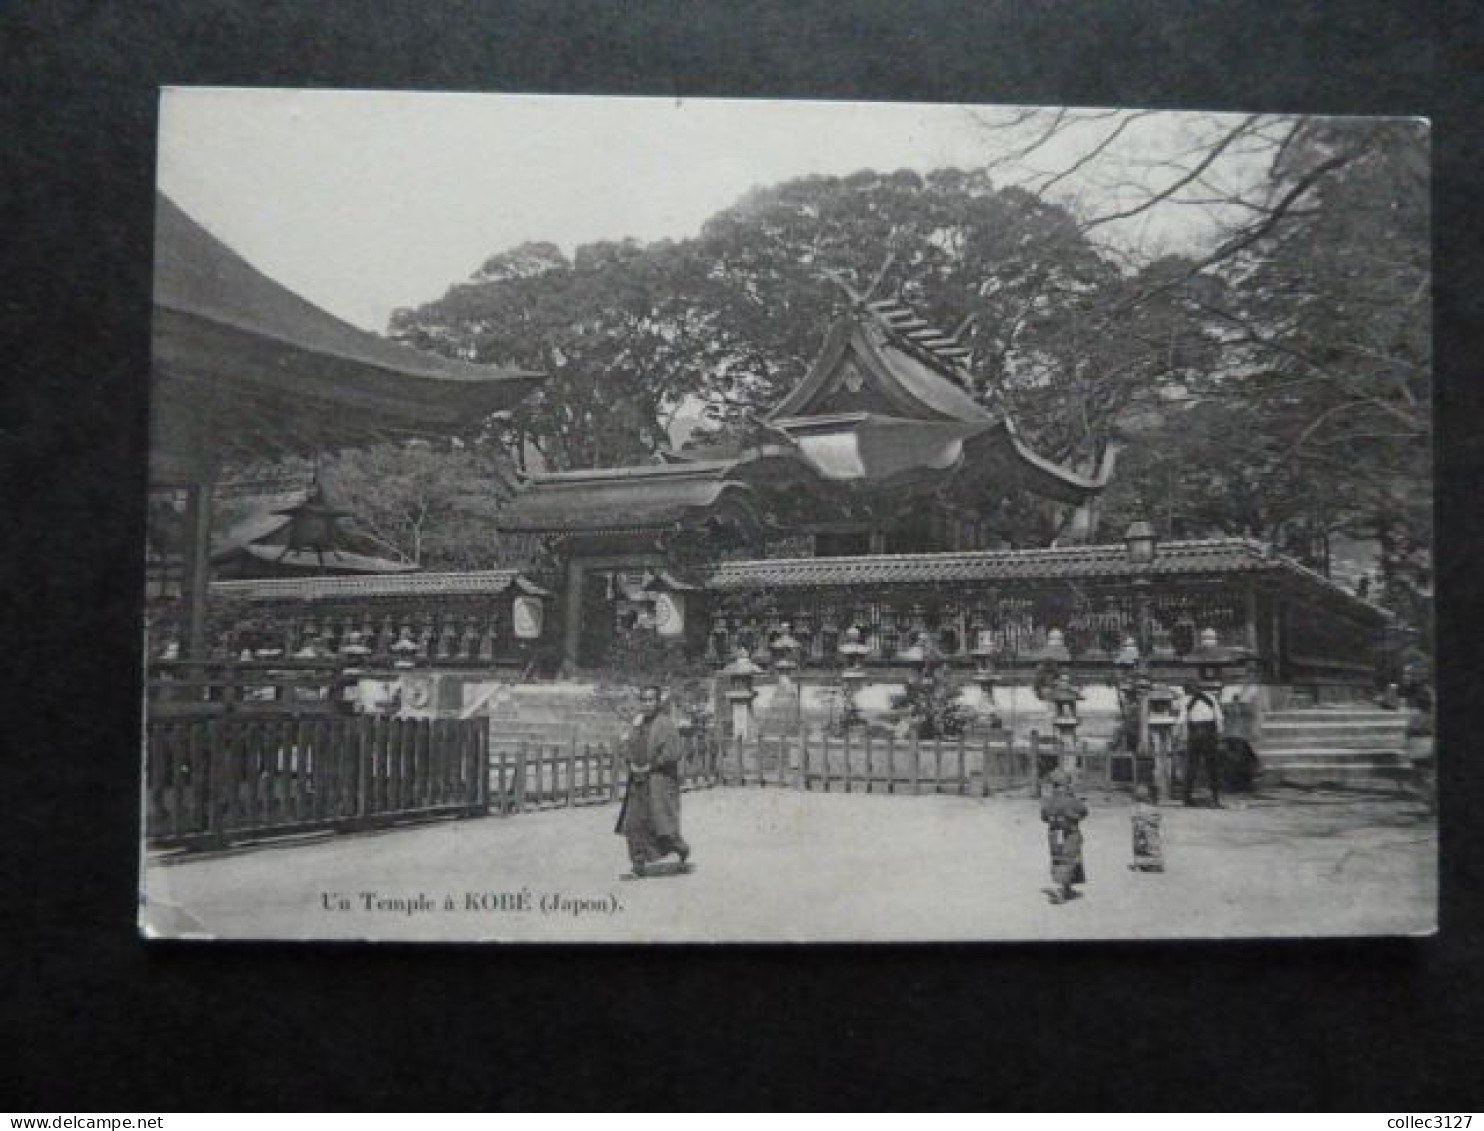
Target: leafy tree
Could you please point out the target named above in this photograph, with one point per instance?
(720, 326)
(430, 506)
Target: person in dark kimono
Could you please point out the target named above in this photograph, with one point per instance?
(650, 818)
(1063, 812)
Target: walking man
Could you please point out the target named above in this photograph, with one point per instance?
(650, 817)
(1203, 725)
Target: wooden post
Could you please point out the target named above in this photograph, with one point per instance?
(481, 737)
(572, 768)
(891, 769)
(963, 770)
(219, 787)
(252, 750)
(300, 793)
(505, 784)
(177, 757)
(196, 578)
(804, 758)
(406, 757)
(845, 769)
(422, 762)
(363, 755)
(916, 766)
(520, 777)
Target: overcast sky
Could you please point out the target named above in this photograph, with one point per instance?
(366, 201)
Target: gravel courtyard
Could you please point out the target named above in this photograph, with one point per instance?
(781, 865)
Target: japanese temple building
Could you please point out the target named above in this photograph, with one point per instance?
(863, 507)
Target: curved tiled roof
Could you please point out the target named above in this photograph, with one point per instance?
(925, 382)
(343, 560)
(244, 368)
(490, 582)
(620, 503)
(1210, 557)
(198, 275)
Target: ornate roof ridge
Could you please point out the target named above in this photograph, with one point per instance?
(907, 330)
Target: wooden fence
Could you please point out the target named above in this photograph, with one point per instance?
(967, 766)
(528, 772)
(536, 774)
(210, 781)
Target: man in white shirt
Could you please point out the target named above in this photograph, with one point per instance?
(1203, 725)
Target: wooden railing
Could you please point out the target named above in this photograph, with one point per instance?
(210, 781)
(179, 688)
(534, 774)
(529, 773)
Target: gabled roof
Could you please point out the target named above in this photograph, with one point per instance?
(263, 537)
(890, 368)
(620, 499)
(900, 386)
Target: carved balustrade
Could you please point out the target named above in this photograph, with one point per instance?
(1015, 624)
(451, 630)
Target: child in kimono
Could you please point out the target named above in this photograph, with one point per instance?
(1149, 852)
(1063, 813)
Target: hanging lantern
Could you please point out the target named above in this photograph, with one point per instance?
(528, 615)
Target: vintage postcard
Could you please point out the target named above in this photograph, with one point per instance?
(647, 520)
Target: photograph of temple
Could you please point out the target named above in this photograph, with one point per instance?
(868, 540)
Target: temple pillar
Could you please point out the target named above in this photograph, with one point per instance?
(196, 577)
(572, 612)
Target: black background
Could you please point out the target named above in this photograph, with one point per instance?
(97, 1020)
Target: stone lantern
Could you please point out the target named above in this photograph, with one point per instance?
(784, 709)
(1134, 688)
(353, 655)
(1055, 652)
(740, 692)
(985, 674)
(1064, 698)
(853, 650)
(925, 654)
(785, 651)
(353, 651)
(1161, 722)
(1063, 694)
(404, 649)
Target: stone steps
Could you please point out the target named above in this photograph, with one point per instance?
(1354, 746)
